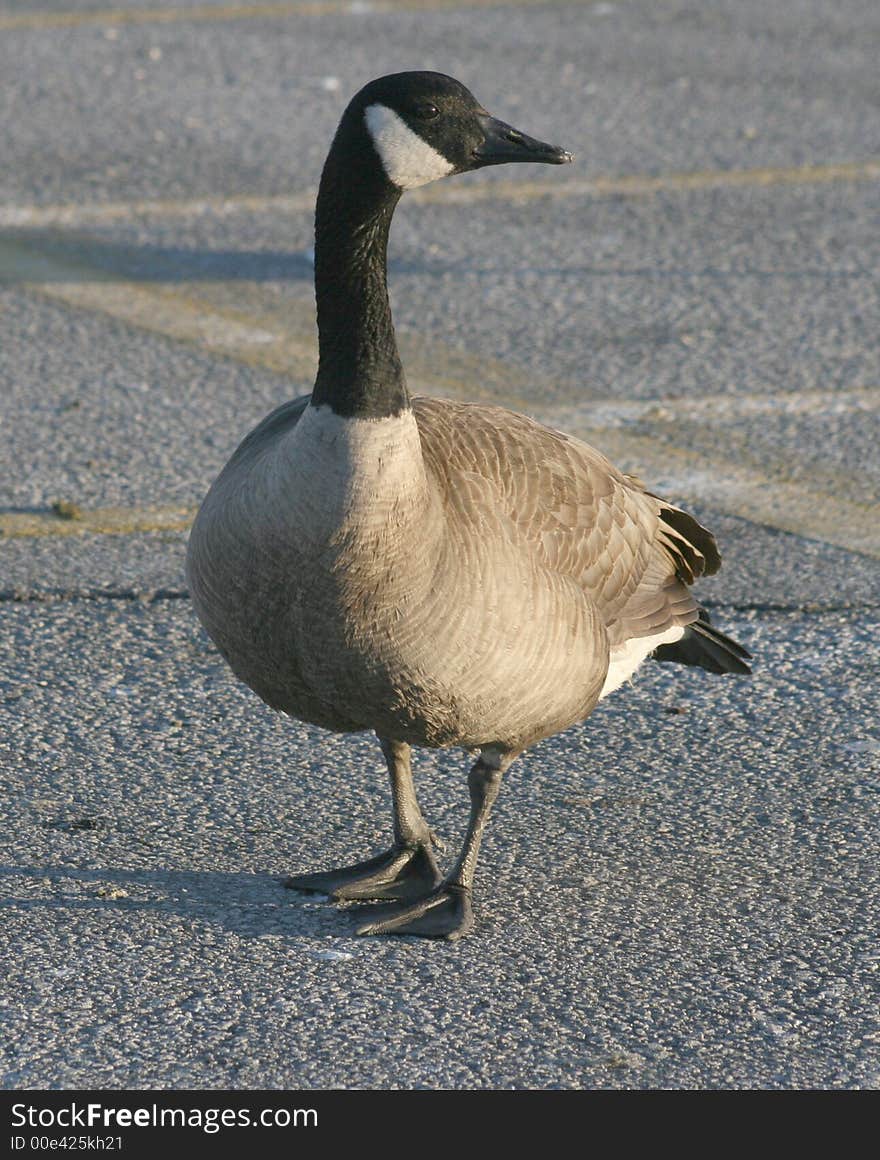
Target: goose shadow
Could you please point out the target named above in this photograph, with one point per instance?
(56, 257)
(253, 905)
(67, 253)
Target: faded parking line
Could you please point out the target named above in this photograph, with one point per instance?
(627, 185)
(221, 13)
(110, 521)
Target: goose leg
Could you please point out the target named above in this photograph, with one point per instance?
(446, 912)
(408, 869)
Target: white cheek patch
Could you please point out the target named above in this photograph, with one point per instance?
(407, 160)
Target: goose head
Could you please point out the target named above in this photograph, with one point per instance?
(424, 125)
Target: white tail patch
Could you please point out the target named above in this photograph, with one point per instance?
(626, 659)
(407, 160)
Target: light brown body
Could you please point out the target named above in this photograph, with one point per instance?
(455, 575)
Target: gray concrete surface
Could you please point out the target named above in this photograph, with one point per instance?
(683, 891)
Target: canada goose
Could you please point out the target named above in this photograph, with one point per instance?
(443, 573)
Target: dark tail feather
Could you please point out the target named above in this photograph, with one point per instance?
(692, 548)
(705, 646)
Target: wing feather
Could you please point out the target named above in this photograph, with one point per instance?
(631, 552)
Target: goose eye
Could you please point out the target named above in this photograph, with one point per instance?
(426, 111)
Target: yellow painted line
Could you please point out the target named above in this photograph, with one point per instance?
(62, 216)
(111, 521)
(641, 185)
(442, 193)
(219, 13)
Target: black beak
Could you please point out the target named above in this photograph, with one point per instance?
(502, 144)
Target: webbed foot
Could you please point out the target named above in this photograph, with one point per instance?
(443, 913)
(402, 873)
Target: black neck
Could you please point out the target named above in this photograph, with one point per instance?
(359, 369)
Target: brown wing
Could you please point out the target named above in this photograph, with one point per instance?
(631, 552)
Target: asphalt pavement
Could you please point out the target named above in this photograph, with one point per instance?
(683, 891)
